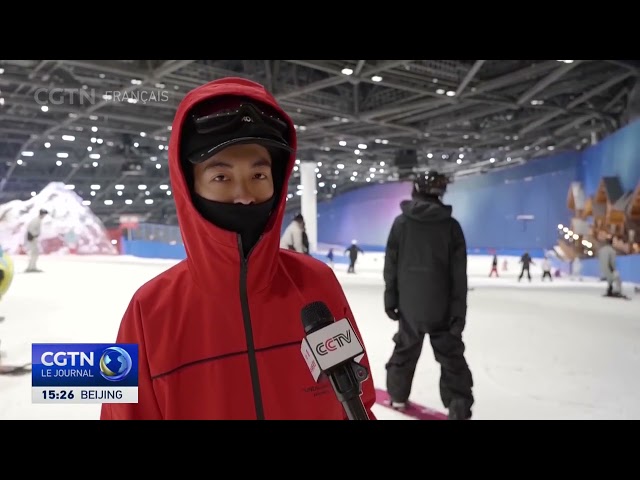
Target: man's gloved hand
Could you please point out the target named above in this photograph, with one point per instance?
(393, 314)
(456, 326)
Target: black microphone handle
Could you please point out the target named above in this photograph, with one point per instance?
(355, 409)
(346, 382)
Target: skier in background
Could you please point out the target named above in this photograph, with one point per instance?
(608, 270)
(330, 257)
(425, 274)
(494, 266)
(526, 262)
(353, 250)
(546, 269)
(33, 232)
(293, 238)
(305, 240)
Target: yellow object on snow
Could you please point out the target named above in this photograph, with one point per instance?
(6, 272)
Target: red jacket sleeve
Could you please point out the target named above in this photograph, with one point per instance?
(131, 331)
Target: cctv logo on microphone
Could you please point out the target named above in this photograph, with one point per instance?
(330, 346)
(333, 343)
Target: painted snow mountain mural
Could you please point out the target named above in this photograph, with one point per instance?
(69, 226)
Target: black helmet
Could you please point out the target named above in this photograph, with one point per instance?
(430, 183)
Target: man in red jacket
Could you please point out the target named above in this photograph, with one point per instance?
(219, 333)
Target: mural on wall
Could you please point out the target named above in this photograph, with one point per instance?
(610, 213)
(69, 227)
(605, 201)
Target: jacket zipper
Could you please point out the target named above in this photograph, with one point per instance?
(251, 350)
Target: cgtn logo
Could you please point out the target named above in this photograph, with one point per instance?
(68, 364)
(114, 365)
(84, 372)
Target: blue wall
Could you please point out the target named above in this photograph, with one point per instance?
(617, 155)
(151, 249)
(487, 205)
(628, 266)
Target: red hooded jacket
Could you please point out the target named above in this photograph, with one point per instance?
(218, 337)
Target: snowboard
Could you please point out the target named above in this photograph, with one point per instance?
(13, 369)
(418, 412)
(23, 369)
(621, 296)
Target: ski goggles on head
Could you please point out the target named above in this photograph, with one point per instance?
(245, 123)
(229, 120)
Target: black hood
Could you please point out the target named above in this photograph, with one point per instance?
(426, 211)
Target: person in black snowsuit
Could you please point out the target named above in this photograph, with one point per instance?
(330, 257)
(353, 250)
(526, 262)
(425, 274)
(305, 240)
(494, 266)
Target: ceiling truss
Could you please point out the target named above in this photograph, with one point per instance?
(352, 117)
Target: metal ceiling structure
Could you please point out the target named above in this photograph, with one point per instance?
(107, 123)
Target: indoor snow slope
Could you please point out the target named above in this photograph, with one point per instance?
(536, 350)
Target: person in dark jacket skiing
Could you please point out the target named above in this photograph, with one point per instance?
(330, 257)
(353, 250)
(526, 262)
(494, 266)
(425, 274)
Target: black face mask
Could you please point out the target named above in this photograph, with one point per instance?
(247, 220)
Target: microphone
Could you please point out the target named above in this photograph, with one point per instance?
(330, 348)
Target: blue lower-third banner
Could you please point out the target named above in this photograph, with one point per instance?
(84, 373)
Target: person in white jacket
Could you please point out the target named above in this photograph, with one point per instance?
(546, 269)
(292, 238)
(33, 232)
